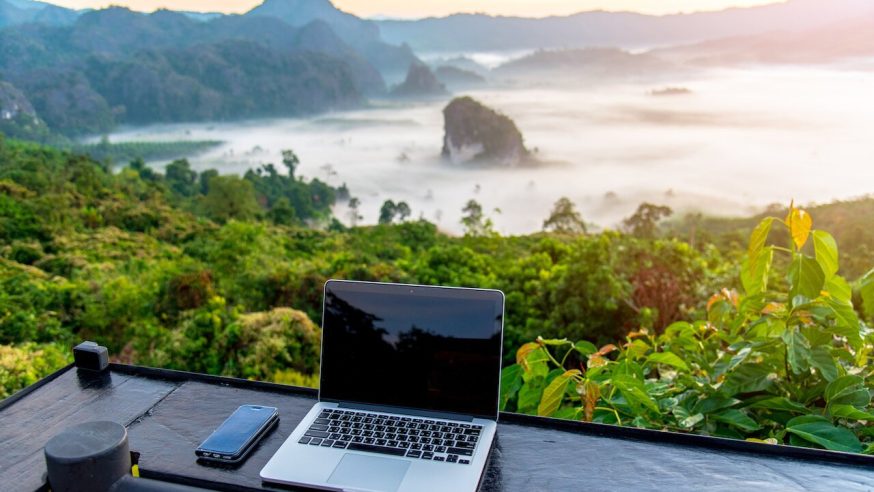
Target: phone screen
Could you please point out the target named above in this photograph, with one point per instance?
(233, 435)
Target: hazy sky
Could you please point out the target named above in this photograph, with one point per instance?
(424, 8)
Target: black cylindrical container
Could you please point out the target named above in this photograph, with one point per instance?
(90, 456)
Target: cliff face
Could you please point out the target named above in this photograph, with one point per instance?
(476, 133)
(13, 103)
(420, 81)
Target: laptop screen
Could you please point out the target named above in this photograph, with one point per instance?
(429, 348)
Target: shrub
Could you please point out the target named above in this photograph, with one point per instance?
(780, 362)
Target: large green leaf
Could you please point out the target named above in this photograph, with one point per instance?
(838, 288)
(529, 396)
(846, 321)
(511, 381)
(822, 360)
(668, 358)
(866, 290)
(826, 250)
(806, 278)
(754, 274)
(736, 418)
(585, 348)
(634, 392)
(555, 342)
(714, 403)
(849, 412)
(747, 378)
(797, 351)
(757, 241)
(780, 403)
(848, 390)
(819, 430)
(554, 393)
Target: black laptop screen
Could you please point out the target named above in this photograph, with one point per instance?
(431, 348)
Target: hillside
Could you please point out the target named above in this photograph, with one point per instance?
(114, 66)
(842, 40)
(479, 32)
(599, 64)
(364, 35)
(14, 12)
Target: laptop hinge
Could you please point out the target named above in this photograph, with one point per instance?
(406, 411)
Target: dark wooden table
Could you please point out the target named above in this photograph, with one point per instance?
(168, 413)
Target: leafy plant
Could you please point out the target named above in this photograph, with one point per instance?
(783, 361)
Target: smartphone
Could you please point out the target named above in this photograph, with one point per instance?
(238, 434)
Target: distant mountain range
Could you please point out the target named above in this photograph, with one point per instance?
(479, 32)
(14, 12)
(115, 65)
(86, 71)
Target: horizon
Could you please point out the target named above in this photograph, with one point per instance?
(403, 10)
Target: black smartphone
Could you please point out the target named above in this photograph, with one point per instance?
(238, 434)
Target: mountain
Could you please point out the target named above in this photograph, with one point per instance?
(458, 78)
(17, 116)
(598, 63)
(115, 65)
(363, 35)
(13, 12)
(478, 32)
(420, 82)
(475, 133)
(842, 40)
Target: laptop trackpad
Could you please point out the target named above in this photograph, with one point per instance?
(369, 472)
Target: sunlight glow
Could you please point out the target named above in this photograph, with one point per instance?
(426, 8)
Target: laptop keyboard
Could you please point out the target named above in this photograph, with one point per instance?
(427, 439)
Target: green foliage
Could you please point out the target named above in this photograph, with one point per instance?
(564, 218)
(24, 364)
(785, 362)
(130, 260)
(643, 223)
(475, 222)
(118, 152)
(391, 211)
(230, 197)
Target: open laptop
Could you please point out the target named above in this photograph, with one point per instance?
(410, 379)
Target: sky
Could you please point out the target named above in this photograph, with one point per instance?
(426, 8)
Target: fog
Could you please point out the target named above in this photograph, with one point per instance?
(742, 139)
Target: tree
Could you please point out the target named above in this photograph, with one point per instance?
(645, 220)
(403, 211)
(282, 212)
(181, 178)
(354, 216)
(230, 197)
(390, 210)
(387, 212)
(564, 218)
(205, 178)
(475, 222)
(290, 161)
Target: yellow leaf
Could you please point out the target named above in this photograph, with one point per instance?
(523, 352)
(593, 392)
(606, 349)
(596, 360)
(772, 307)
(800, 223)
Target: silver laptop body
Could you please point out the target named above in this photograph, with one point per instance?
(408, 399)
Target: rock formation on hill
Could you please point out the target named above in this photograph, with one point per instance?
(13, 103)
(420, 82)
(476, 133)
(457, 78)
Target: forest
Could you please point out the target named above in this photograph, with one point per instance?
(753, 328)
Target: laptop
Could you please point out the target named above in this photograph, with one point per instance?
(408, 398)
